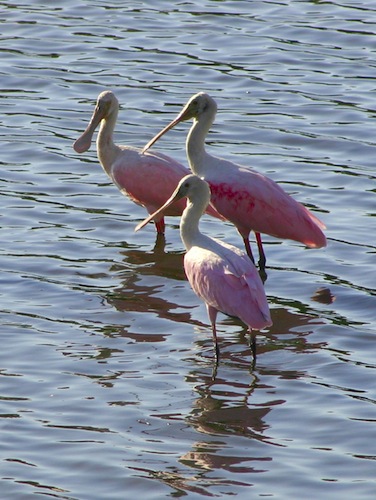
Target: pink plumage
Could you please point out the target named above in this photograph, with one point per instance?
(220, 274)
(146, 178)
(269, 208)
(227, 281)
(250, 200)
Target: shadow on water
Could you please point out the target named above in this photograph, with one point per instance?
(136, 295)
(158, 262)
(229, 416)
(138, 292)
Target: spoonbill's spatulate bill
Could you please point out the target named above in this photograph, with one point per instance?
(251, 201)
(220, 274)
(146, 178)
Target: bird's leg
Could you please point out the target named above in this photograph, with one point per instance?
(252, 344)
(262, 258)
(248, 248)
(160, 243)
(214, 370)
(212, 313)
(216, 347)
(160, 226)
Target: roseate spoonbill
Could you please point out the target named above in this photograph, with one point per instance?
(220, 274)
(147, 179)
(251, 201)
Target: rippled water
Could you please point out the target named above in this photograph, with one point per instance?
(106, 362)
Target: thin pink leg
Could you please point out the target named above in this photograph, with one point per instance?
(160, 226)
(248, 248)
(262, 258)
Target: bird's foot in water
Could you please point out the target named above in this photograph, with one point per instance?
(262, 273)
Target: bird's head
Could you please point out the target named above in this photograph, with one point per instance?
(107, 104)
(197, 106)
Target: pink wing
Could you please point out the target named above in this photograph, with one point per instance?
(149, 179)
(233, 287)
(253, 202)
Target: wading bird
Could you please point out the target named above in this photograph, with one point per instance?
(220, 274)
(146, 178)
(251, 201)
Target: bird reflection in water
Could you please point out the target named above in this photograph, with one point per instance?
(135, 293)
